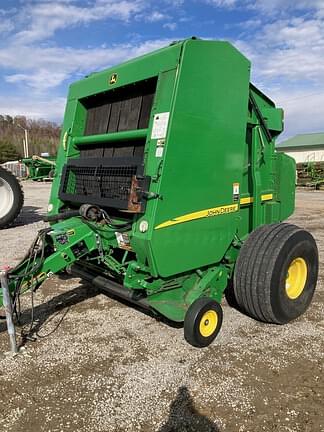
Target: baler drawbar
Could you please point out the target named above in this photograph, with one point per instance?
(168, 190)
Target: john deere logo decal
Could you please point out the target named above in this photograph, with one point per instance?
(113, 78)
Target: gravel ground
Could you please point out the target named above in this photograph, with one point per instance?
(99, 365)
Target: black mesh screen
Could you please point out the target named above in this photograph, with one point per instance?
(106, 182)
(110, 174)
(123, 109)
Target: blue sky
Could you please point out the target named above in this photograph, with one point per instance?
(45, 45)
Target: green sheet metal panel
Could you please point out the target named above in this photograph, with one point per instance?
(203, 158)
(203, 165)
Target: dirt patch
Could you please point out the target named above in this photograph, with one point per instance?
(99, 365)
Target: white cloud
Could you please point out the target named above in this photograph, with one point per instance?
(303, 110)
(250, 24)
(41, 80)
(30, 106)
(155, 16)
(273, 7)
(48, 67)
(6, 25)
(223, 3)
(46, 18)
(285, 45)
(170, 25)
(290, 49)
(176, 3)
(35, 69)
(279, 6)
(288, 64)
(45, 66)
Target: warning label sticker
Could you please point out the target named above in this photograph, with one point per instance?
(236, 191)
(159, 152)
(160, 125)
(123, 240)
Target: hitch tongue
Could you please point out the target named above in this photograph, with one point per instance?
(8, 310)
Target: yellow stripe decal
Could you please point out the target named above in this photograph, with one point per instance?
(249, 200)
(266, 197)
(215, 211)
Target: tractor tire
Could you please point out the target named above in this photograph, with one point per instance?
(202, 322)
(11, 198)
(276, 273)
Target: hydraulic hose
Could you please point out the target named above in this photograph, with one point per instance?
(61, 216)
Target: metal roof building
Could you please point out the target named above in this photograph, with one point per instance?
(304, 147)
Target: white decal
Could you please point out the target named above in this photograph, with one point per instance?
(160, 125)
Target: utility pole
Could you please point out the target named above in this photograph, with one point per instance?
(26, 147)
(25, 140)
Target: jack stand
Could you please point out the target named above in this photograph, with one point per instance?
(8, 310)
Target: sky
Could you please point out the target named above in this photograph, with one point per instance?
(45, 45)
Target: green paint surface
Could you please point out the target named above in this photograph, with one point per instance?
(217, 178)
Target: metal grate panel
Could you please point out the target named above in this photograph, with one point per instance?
(110, 182)
(104, 182)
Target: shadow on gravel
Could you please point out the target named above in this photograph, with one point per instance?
(184, 417)
(150, 313)
(47, 312)
(29, 215)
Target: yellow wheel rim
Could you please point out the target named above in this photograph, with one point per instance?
(208, 323)
(296, 278)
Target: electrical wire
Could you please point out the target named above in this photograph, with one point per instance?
(36, 252)
(301, 97)
(35, 259)
(112, 224)
(56, 326)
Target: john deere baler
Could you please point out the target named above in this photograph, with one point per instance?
(168, 190)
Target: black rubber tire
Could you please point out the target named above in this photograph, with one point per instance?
(193, 318)
(18, 201)
(262, 267)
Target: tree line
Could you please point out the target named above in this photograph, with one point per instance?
(43, 137)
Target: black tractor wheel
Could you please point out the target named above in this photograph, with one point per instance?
(202, 322)
(276, 272)
(11, 198)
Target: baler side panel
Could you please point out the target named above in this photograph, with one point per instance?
(260, 203)
(286, 178)
(204, 157)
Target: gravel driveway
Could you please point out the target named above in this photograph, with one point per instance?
(99, 365)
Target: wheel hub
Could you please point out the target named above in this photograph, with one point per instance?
(296, 278)
(208, 323)
(6, 198)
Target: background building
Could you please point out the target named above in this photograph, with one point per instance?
(304, 148)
